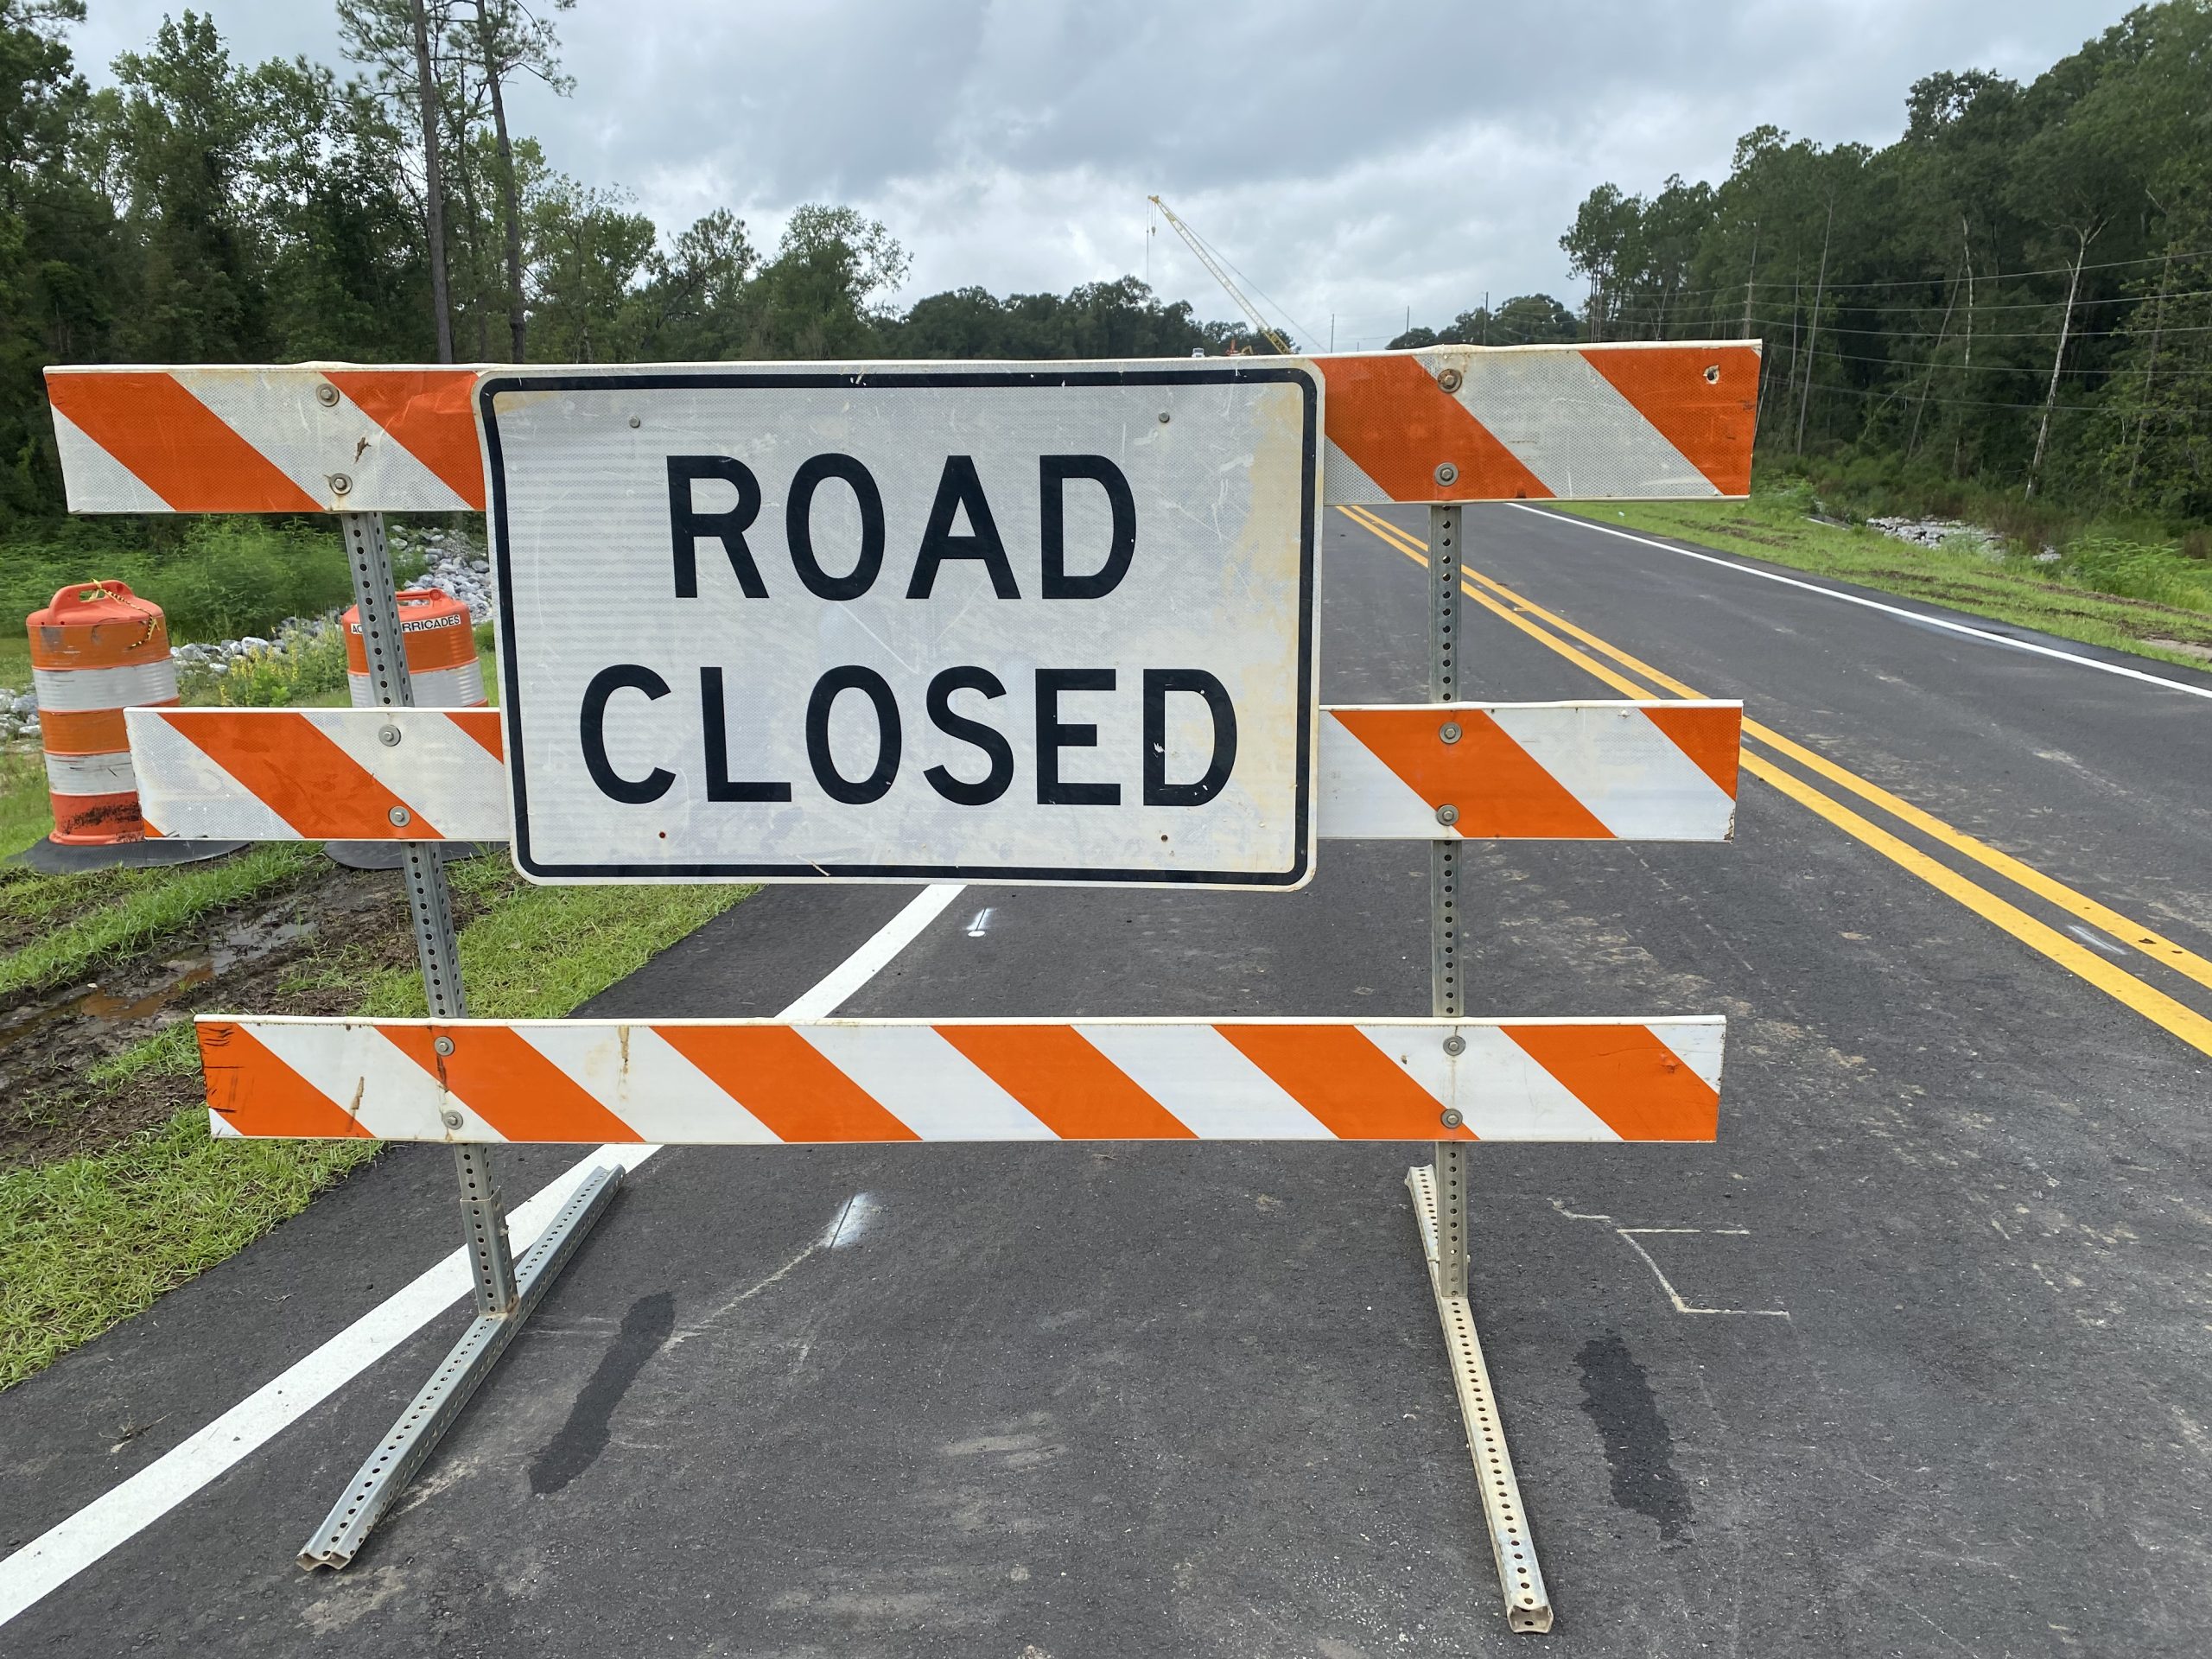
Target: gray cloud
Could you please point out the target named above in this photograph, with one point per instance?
(1353, 159)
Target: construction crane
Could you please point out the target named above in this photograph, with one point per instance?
(1196, 245)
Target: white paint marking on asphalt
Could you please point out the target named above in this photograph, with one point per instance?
(2096, 941)
(1627, 1235)
(982, 921)
(851, 1222)
(873, 958)
(1675, 1296)
(1876, 605)
(65, 1549)
(858, 1208)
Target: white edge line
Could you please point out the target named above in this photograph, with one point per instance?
(66, 1549)
(1874, 604)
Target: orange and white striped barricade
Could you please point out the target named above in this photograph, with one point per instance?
(765, 1081)
(1442, 427)
(1632, 421)
(445, 671)
(1606, 770)
(97, 650)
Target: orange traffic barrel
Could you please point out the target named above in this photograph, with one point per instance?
(97, 650)
(441, 657)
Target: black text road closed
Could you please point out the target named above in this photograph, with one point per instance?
(1042, 624)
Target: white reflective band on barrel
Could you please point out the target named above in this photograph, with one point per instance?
(435, 688)
(91, 774)
(74, 690)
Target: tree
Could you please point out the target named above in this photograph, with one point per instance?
(186, 128)
(587, 251)
(58, 247)
(691, 306)
(1599, 244)
(402, 42)
(825, 293)
(508, 39)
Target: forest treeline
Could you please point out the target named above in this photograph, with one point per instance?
(207, 210)
(2017, 293)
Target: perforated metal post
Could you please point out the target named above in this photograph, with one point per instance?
(502, 1302)
(430, 902)
(1440, 1191)
(1445, 991)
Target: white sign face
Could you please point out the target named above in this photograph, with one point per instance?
(1039, 624)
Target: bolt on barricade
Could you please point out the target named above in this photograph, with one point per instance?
(903, 445)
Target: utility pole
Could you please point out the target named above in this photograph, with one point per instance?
(1813, 334)
(1750, 279)
(2082, 238)
(1485, 316)
(1332, 331)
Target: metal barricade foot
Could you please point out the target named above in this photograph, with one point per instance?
(1527, 1603)
(400, 1453)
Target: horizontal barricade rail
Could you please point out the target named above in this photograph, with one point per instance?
(764, 1082)
(1507, 771)
(1638, 420)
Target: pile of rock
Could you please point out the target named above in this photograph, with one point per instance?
(456, 564)
(18, 714)
(1951, 533)
(219, 657)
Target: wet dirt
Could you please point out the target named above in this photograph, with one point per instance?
(309, 949)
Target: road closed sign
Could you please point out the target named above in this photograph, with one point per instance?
(1024, 624)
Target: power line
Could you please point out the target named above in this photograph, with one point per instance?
(1907, 396)
(1644, 306)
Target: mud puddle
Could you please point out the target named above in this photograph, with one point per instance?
(310, 950)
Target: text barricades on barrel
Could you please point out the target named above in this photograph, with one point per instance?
(908, 623)
(96, 649)
(440, 644)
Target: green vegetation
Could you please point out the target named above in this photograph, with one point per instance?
(215, 578)
(89, 1241)
(2103, 590)
(25, 815)
(93, 1239)
(144, 904)
(2005, 315)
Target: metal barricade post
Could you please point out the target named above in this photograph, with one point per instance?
(504, 1299)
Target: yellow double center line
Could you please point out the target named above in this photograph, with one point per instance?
(2184, 1021)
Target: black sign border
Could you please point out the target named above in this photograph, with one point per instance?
(1309, 559)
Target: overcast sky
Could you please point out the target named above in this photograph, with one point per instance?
(1353, 160)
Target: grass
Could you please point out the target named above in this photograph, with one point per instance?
(147, 904)
(94, 1239)
(2126, 596)
(25, 814)
(91, 1240)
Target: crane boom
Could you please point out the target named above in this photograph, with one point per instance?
(1197, 246)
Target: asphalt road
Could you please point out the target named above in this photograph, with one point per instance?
(1917, 1361)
